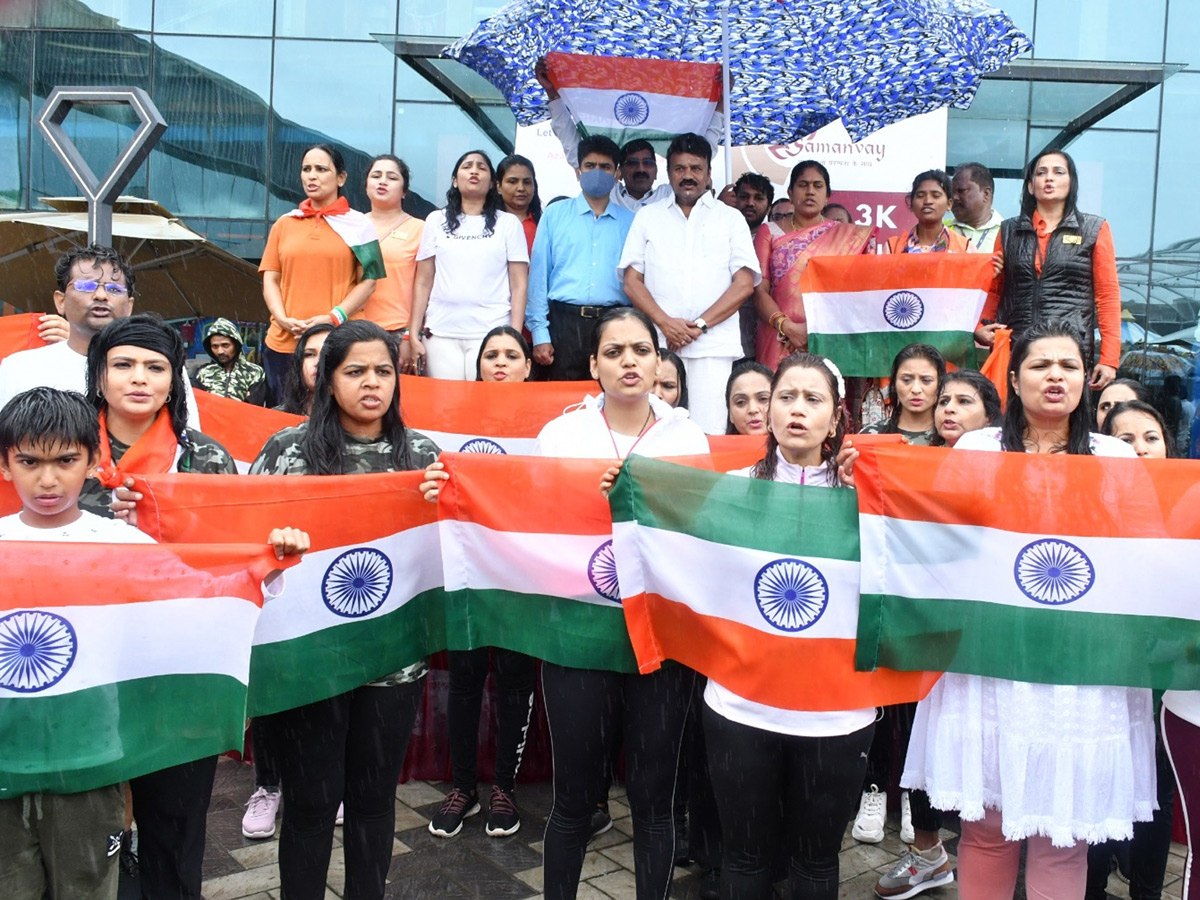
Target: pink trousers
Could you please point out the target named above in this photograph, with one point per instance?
(987, 864)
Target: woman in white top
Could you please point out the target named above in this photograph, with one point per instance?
(781, 773)
(1057, 766)
(472, 272)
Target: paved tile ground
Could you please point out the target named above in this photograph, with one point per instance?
(472, 865)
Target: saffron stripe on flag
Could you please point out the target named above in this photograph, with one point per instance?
(659, 76)
(746, 605)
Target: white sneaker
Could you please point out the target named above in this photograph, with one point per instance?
(907, 835)
(341, 814)
(259, 821)
(872, 811)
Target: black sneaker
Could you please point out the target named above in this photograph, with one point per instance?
(503, 818)
(601, 821)
(458, 805)
(129, 858)
(710, 884)
(682, 856)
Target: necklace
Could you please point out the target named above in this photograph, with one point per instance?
(390, 230)
(641, 433)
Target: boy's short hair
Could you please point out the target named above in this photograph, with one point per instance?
(43, 416)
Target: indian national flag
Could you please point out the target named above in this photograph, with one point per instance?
(359, 235)
(627, 98)
(19, 332)
(768, 612)
(117, 660)
(862, 310)
(240, 428)
(366, 601)
(1053, 569)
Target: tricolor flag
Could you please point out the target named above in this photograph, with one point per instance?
(527, 550)
(117, 660)
(366, 601)
(356, 230)
(1046, 568)
(19, 332)
(241, 428)
(752, 583)
(862, 310)
(627, 98)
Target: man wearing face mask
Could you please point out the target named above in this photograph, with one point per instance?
(573, 268)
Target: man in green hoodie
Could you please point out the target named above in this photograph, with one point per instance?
(230, 375)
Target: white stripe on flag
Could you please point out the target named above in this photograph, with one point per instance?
(416, 566)
(718, 580)
(669, 113)
(452, 442)
(930, 560)
(863, 312)
(552, 564)
(181, 636)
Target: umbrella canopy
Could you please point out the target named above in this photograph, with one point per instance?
(796, 64)
(1150, 363)
(180, 275)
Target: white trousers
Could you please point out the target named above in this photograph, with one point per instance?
(706, 380)
(451, 358)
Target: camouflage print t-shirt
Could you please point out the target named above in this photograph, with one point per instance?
(282, 455)
(201, 455)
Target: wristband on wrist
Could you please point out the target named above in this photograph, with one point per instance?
(404, 334)
(339, 315)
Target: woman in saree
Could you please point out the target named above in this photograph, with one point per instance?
(784, 250)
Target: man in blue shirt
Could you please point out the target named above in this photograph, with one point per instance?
(573, 266)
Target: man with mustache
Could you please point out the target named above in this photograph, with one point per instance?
(95, 287)
(689, 263)
(639, 166)
(974, 217)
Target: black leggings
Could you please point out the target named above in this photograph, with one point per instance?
(514, 706)
(266, 766)
(768, 785)
(587, 710)
(348, 748)
(171, 809)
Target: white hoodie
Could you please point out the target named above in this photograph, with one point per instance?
(583, 433)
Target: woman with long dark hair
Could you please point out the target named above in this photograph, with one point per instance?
(350, 747)
(399, 233)
(747, 399)
(671, 386)
(518, 188)
(1118, 391)
(302, 371)
(917, 373)
(1057, 263)
(504, 356)
(472, 272)
(320, 263)
(929, 201)
(1057, 766)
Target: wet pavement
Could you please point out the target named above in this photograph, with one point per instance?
(472, 865)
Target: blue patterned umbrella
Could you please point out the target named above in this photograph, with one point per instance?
(796, 64)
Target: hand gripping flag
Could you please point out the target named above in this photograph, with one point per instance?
(119, 660)
(1053, 569)
(366, 601)
(862, 310)
(752, 583)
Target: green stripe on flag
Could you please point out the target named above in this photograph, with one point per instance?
(555, 629)
(67, 743)
(325, 663)
(370, 257)
(787, 519)
(659, 139)
(1057, 647)
(870, 354)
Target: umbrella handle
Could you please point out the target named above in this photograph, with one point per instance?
(725, 85)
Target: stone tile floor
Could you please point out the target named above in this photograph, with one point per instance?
(472, 865)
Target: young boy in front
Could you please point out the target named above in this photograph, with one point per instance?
(66, 843)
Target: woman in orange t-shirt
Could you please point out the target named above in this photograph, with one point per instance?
(310, 274)
(518, 188)
(390, 306)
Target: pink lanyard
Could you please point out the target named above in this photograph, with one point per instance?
(616, 452)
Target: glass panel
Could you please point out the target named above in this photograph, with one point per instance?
(245, 238)
(213, 159)
(430, 137)
(133, 14)
(350, 105)
(998, 100)
(15, 52)
(441, 17)
(410, 85)
(1183, 34)
(100, 132)
(1116, 30)
(1140, 112)
(1175, 218)
(322, 19)
(1021, 12)
(16, 13)
(236, 17)
(1057, 103)
(997, 143)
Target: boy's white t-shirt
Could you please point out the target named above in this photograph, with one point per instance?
(470, 294)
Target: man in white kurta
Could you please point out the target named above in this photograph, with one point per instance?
(688, 264)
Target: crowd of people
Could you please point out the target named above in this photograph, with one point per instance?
(683, 304)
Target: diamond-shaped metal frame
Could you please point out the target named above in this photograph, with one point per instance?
(101, 193)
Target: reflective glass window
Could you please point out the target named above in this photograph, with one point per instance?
(133, 14)
(16, 13)
(100, 132)
(15, 58)
(214, 93)
(1110, 30)
(1175, 219)
(997, 143)
(234, 17)
(1183, 34)
(322, 19)
(441, 17)
(329, 91)
(430, 137)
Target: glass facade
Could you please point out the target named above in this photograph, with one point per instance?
(246, 86)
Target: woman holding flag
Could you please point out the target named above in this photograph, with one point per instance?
(917, 373)
(320, 264)
(784, 250)
(1056, 766)
(350, 747)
